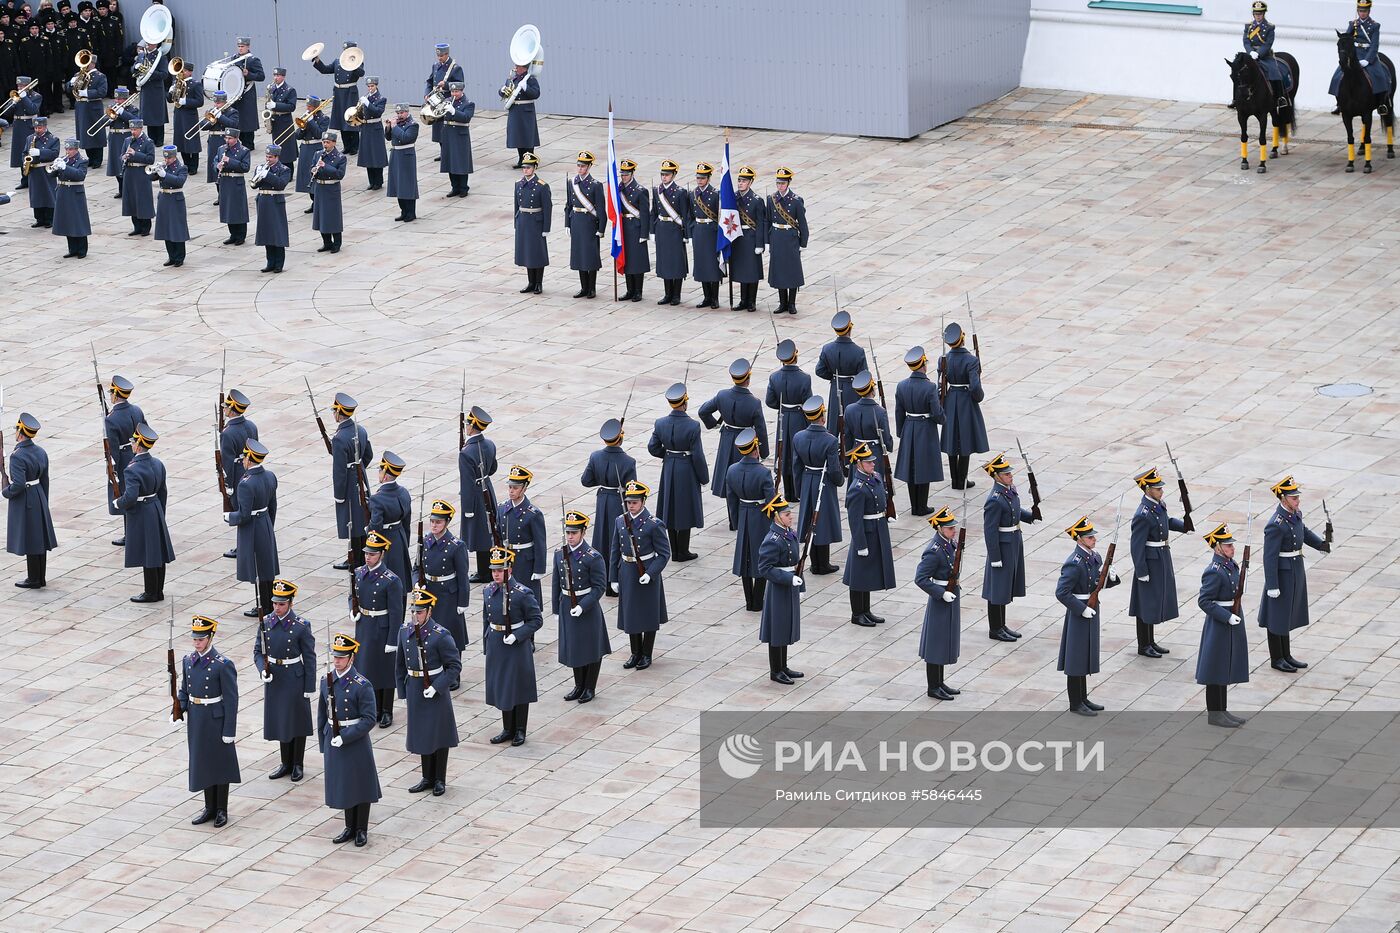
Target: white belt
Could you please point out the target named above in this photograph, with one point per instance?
(76, 184)
(917, 414)
(456, 123)
(608, 488)
(179, 191)
(432, 673)
(505, 628)
(678, 453)
(405, 145)
(520, 547)
(753, 501)
(351, 84)
(735, 427)
(29, 116)
(269, 194)
(206, 701)
(296, 660)
(214, 129)
(223, 174)
(631, 559)
(668, 220)
(939, 582)
(117, 130)
(349, 722)
(531, 210)
(374, 613)
(814, 469)
(874, 518)
(32, 482)
(957, 385)
(1157, 544)
(1006, 531)
(786, 405)
(1290, 553)
(392, 524)
(327, 181)
(1080, 595)
(783, 227)
(1225, 602)
(257, 511)
(703, 220)
(153, 495)
(867, 440)
(443, 579)
(579, 592)
(792, 569)
(371, 122)
(125, 446)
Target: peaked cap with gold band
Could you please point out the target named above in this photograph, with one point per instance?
(1081, 528)
(236, 401)
(283, 590)
(145, 435)
(478, 417)
(860, 452)
(635, 490)
(777, 504)
(442, 509)
(942, 518)
(1150, 478)
(814, 409)
(421, 599)
(1220, 534)
(344, 404)
(203, 626)
(998, 464)
(122, 387)
(254, 450)
(573, 519)
(375, 541)
(343, 646)
(502, 557)
(746, 441)
(392, 463)
(519, 476)
(1286, 487)
(27, 424)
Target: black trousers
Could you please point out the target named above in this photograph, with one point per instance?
(276, 257)
(634, 287)
(935, 676)
(95, 158)
(43, 216)
(37, 568)
(238, 232)
(860, 602)
(643, 643)
(77, 245)
(1215, 698)
(586, 677)
(753, 592)
(293, 752)
(357, 818)
(996, 618)
(957, 470)
(331, 241)
(1078, 690)
(408, 208)
(748, 296)
(376, 178)
(458, 183)
(263, 595)
(384, 701)
(154, 578)
(247, 139)
(588, 283)
(175, 251)
(216, 798)
(140, 225)
(351, 139)
(918, 498)
(517, 719)
(434, 766)
(157, 134)
(191, 160)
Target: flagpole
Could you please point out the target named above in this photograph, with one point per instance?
(726, 262)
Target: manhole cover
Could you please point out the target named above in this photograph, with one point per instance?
(1344, 390)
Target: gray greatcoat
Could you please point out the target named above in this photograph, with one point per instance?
(212, 760)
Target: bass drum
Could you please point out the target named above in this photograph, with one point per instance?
(221, 76)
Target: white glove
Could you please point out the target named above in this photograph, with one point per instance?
(429, 693)
(1113, 578)
(576, 611)
(1088, 613)
(863, 552)
(1254, 55)
(1364, 63)
(228, 740)
(461, 610)
(355, 617)
(509, 639)
(337, 742)
(996, 563)
(267, 677)
(1274, 594)
(1145, 579)
(612, 589)
(82, 93)
(173, 720)
(758, 250)
(60, 164)
(538, 576)
(949, 596)
(23, 94)
(644, 579)
(309, 696)
(390, 649)
(1235, 620)
(34, 151)
(160, 171)
(226, 515)
(796, 580)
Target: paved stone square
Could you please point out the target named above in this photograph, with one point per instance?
(1132, 286)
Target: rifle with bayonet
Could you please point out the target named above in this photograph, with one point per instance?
(1237, 610)
(1186, 524)
(942, 367)
(219, 474)
(962, 545)
(1030, 478)
(4, 471)
(972, 325)
(101, 393)
(884, 451)
(631, 530)
(807, 538)
(1093, 601)
(317, 412)
(175, 711)
(330, 666)
(219, 412)
(422, 546)
(1326, 533)
(352, 559)
(361, 480)
(462, 413)
(488, 496)
(778, 472)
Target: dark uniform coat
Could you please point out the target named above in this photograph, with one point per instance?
(272, 205)
(671, 230)
(285, 647)
(43, 187)
(582, 639)
(787, 235)
(522, 530)
(476, 462)
(247, 106)
(1153, 600)
(868, 423)
(206, 677)
(428, 648)
(675, 441)
(143, 499)
(750, 486)
(817, 465)
(21, 116)
(440, 75)
(172, 222)
(445, 566)
(118, 426)
(153, 104)
(214, 134)
(917, 415)
(284, 105)
(746, 253)
(29, 526)
(403, 159)
(233, 191)
(1284, 537)
(347, 92)
(1365, 36)
(521, 130)
(70, 216)
(88, 108)
(732, 410)
(1224, 654)
(870, 531)
(585, 216)
(456, 138)
(372, 153)
(703, 223)
(1002, 516)
(255, 515)
(345, 479)
(510, 668)
(118, 137)
(788, 388)
(326, 215)
(965, 433)
(641, 607)
(533, 216)
(137, 198)
(308, 146)
(840, 361)
(636, 225)
(609, 469)
(390, 514)
(381, 595)
(351, 776)
(187, 113)
(781, 622)
(942, 631)
(1079, 638)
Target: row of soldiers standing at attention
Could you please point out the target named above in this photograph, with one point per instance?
(419, 658)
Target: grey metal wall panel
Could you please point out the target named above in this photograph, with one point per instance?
(878, 68)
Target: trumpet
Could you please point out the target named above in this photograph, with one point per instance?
(153, 169)
(299, 123)
(258, 174)
(211, 116)
(178, 89)
(57, 165)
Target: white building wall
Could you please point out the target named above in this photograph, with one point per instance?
(1181, 57)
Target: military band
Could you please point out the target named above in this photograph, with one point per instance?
(940, 637)
(476, 464)
(25, 107)
(188, 98)
(779, 554)
(280, 103)
(584, 217)
(326, 174)
(670, 228)
(522, 531)
(608, 468)
(347, 84)
(142, 500)
(637, 212)
(445, 71)
(1077, 590)
(820, 472)
(118, 134)
(284, 655)
(521, 90)
(534, 214)
(577, 586)
(641, 551)
(444, 575)
(232, 160)
(309, 145)
(172, 223)
(402, 136)
(676, 442)
(271, 205)
(510, 618)
(1223, 658)
(373, 157)
(208, 700)
(428, 664)
(870, 563)
(917, 416)
(1284, 604)
(88, 88)
(29, 530)
(749, 489)
(380, 594)
(455, 141)
(255, 517)
(42, 150)
(70, 216)
(216, 131)
(345, 717)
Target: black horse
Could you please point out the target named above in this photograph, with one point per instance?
(1254, 97)
(1356, 99)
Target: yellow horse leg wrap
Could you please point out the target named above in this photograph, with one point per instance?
(1390, 135)
(1244, 150)
(1263, 153)
(1368, 151)
(1275, 137)
(1351, 152)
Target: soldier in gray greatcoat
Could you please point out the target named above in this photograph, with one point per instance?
(138, 202)
(186, 117)
(476, 462)
(282, 98)
(402, 137)
(917, 415)
(510, 618)
(733, 411)
(522, 133)
(641, 550)
(585, 217)
(840, 361)
(786, 233)
(1079, 636)
(70, 217)
(746, 253)
(215, 133)
(1004, 576)
(373, 157)
(866, 422)
(703, 224)
(1224, 655)
(284, 655)
(942, 631)
(172, 223)
(233, 443)
(445, 574)
(43, 147)
(143, 500)
(255, 517)
(326, 174)
(272, 234)
(391, 514)
(428, 664)
(675, 441)
(1152, 596)
(380, 594)
(457, 142)
(521, 527)
(870, 564)
(232, 160)
(25, 107)
(788, 388)
(118, 135)
(351, 455)
(444, 73)
(118, 426)
(309, 145)
(29, 526)
(576, 598)
(1284, 605)
(533, 216)
(965, 433)
(669, 226)
(208, 698)
(749, 488)
(608, 469)
(87, 110)
(636, 227)
(344, 721)
(817, 464)
(247, 105)
(346, 95)
(780, 625)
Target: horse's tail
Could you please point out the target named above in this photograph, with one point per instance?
(1290, 118)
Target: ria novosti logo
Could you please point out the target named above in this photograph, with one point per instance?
(740, 756)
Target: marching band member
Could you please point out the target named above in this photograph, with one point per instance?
(326, 216)
(402, 136)
(281, 99)
(138, 201)
(26, 107)
(89, 90)
(269, 183)
(457, 141)
(172, 225)
(345, 97)
(215, 134)
(522, 134)
(247, 105)
(153, 93)
(233, 161)
(373, 157)
(118, 136)
(444, 72)
(70, 217)
(42, 150)
(186, 117)
(308, 146)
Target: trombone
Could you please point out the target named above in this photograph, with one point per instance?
(110, 113)
(210, 117)
(299, 123)
(14, 96)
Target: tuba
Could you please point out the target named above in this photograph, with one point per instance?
(355, 116)
(436, 105)
(86, 61)
(525, 49)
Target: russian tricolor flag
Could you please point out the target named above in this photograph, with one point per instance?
(619, 244)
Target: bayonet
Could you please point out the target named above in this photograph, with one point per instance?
(972, 326)
(101, 395)
(1326, 535)
(317, 412)
(628, 404)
